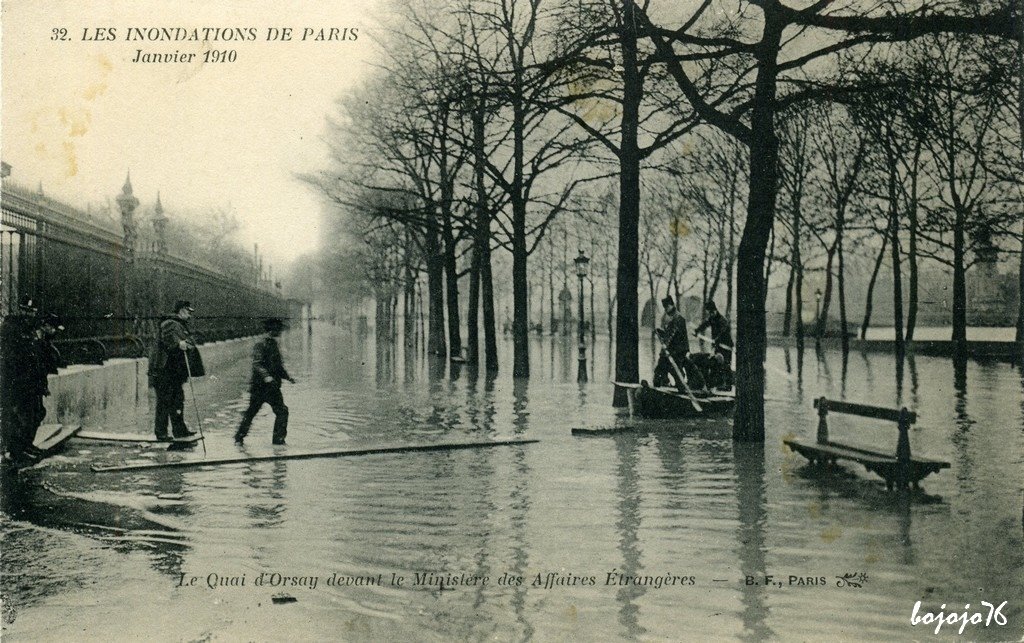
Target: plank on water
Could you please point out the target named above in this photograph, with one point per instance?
(104, 436)
(182, 464)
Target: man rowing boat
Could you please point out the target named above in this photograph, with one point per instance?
(721, 338)
(675, 347)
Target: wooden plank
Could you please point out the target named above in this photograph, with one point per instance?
(187, 464)
(104, 436)
(54, 440)
(866, 410)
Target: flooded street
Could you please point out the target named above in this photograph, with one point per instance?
(556, 528)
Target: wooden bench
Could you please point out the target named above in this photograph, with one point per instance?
(899, 470)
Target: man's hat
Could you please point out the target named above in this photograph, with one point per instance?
(710, 305)
(273, 323)
(53, 319)
(27, 304)
(667, 301)
(183, 303)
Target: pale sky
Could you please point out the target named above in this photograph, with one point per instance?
(77, 115)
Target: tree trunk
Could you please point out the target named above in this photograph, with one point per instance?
(871, 288)
(798, 266)
(452, 286)
(473, 312)
(627, 332)
(912, 250)
(1020, 279)
(841, 278)
(894, 248)
(520, 323)
(436, 346)
(748, 423)
(409, 319)
(611, 299)
(821, 323)
(730, 271)
(959, 286)
(788, 315)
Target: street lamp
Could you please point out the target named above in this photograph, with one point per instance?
(581, 271)
(817, 316)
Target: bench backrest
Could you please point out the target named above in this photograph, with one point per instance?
(825, 405)
(902, 417)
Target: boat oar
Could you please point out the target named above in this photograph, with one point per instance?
(195, 403)
(679, 375)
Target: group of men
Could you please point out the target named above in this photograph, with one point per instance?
(175, 360)
(694, 373)
(29, 356)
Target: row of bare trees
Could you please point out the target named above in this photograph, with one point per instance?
(864, 126)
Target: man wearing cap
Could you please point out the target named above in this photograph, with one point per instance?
(265, 386)
(676, 344)
(169, 370)
(29, 357)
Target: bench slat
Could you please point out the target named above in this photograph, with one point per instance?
(866, 410)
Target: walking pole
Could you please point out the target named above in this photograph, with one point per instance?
(199, 419)
(679, 374)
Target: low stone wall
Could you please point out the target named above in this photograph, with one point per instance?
(92, 395)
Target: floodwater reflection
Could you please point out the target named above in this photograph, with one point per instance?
(675, 498)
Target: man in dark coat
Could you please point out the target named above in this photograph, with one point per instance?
(721, 338)
(168, 372)
(265, 387)
(676, 344)
(29, 356)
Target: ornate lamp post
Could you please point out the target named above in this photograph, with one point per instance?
(581, 271)
(817, 316)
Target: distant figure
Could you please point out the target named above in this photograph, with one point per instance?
(675, 344)
(26, 341)
(721, 338)
(265, 386)
(169, 370)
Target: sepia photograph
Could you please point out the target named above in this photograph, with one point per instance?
(512, 320)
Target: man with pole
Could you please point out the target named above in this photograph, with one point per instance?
(675, 351)
(169, 370)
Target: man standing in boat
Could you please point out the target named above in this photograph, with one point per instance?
(675, 346)
(169, 370)
(721, 339)
(265, 387)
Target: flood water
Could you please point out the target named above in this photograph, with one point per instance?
(112, 556)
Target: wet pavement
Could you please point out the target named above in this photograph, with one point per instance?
(664, 532)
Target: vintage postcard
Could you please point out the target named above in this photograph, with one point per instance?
(511, 320)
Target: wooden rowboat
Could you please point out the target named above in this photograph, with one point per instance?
(665, 402)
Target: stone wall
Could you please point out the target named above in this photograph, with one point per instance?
(114, 393)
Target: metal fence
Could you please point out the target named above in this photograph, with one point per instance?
(113, 286)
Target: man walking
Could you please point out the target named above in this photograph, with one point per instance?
(169, 370)
(265, 387)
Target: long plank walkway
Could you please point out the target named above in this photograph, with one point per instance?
(337, 453)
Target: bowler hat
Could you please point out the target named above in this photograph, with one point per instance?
(273, 323)
(53, 319)
(183, 303)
